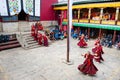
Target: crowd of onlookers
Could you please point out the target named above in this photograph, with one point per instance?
(6, 37)
(57, 34)
(106, 39)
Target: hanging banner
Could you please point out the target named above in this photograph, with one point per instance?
(37, 7)
(14, 6)
(28, 6)
(3, 8)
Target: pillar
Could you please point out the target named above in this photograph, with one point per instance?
(89, 14)
(100, 33)
(114, 36)
(78, 14)
(116, 16)
(101, 15)
(88, 33)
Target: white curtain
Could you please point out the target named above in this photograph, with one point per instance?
(14, 6)
(28, 6)
(37, 7)
(3, 8)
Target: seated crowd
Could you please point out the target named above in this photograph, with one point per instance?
(59, 34)
(42, 38)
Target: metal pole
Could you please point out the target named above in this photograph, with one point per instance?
(69, 27)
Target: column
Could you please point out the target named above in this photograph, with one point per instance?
(88, 33)
(114, 37)
(78, 14)
(116, 16)
(100, 33)
(101, 15)
(89, 14)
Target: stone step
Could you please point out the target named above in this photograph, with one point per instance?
(29, 39)
(35, 46)
(10, 46)
(8, 43)
(32, 42)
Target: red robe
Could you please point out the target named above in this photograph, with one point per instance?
(40, 27)
(88, 67)
(98, 51)
(82, 43)
(40, 39)
(32, 30)
(45, 41)
(36, 33)
(97, 42)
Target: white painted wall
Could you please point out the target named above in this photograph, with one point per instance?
(10, 27)
(23, 26)
(46, 24)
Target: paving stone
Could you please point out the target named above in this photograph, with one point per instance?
(45, 63)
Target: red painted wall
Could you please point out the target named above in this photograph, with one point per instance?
(47, 13)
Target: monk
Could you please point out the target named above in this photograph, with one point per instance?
(36, 31)
(32, 30)
(98, 51)
(88, 66)
(45, 40)
(39, 38)
(82, 42)
(97, 41)
(40, 27)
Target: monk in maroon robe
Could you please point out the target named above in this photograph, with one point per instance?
(88, 66)
(40, 27)
(32, 30)
(98, 51)
(45, 40)
(97, 41)
(82, 42)
(36, 31)
(39, 39)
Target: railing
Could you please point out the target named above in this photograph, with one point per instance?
(95, 21)
(84, 20)
(21, 40)
(118, 23)
(107, 22)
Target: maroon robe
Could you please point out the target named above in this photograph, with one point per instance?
(40, 27)
(82, 43)
(40, 39)
(33, 30)
(45, 41)
(88, 67)
(97, 42)
(98, 51)
(36, 33)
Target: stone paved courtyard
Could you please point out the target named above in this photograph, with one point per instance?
(46, 63)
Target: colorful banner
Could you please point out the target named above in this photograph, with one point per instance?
(3, 8)
(14, 6)
(28, 6)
